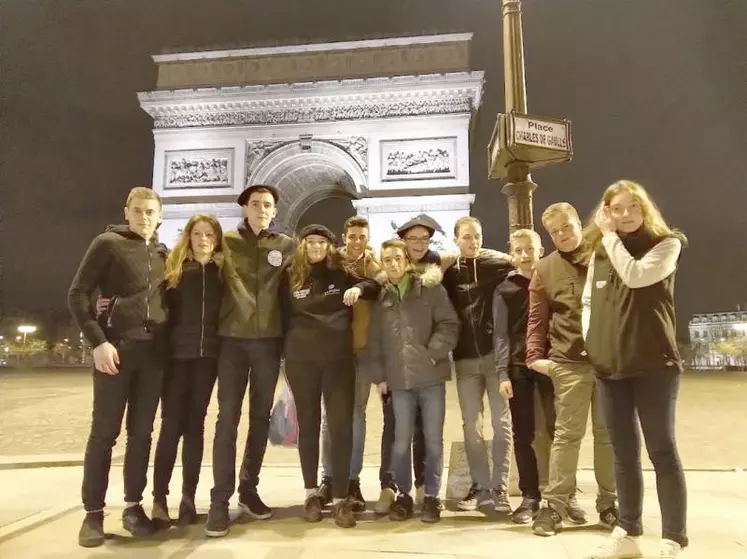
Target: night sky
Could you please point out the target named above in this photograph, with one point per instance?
(655, 90)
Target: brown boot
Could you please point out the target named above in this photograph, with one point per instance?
(343, 513)
(313, 509)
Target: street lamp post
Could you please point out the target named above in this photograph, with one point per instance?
(26, 329)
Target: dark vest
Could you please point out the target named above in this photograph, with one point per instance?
(632, 332)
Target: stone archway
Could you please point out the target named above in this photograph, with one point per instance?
(306, 172)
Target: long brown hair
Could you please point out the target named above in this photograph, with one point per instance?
(300, 269)
(221, 256)
(653, 222)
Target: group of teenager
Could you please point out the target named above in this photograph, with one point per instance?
(589, 328)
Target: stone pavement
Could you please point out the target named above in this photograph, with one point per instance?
(715, 523)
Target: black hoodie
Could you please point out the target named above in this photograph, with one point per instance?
(129, 272)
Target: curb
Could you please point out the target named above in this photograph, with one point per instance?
(35, 520)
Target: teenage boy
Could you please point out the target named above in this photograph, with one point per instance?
(471, 283)
(251, 346)
(555, 347)
(414, 327)
(518, 383)
(362, 260)
(126, 266)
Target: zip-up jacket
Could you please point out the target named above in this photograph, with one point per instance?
(259, 261)
(412, 334)
(629, 302)
(128, 271)
(365, 266)
(510, 313)
(317, 324)
(470, 284)
(194, 311)
(554, 324)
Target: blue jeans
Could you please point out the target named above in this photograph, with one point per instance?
(432, 402)
(362, 391)
(652, 399)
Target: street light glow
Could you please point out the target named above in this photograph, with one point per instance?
(27, 329)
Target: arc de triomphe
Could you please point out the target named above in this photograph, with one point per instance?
(384, 123)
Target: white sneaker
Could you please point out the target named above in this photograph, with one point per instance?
(617, 546)
(669, 549)
(386, 500)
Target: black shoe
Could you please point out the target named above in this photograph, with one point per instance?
(609, 517)
(136, 522)
(402, 509)
(217, 521)
(253, 506)
(576, 515)
(325, 492)
(187, 511)
(159, 515)
(312, 509)
(92, 531)
(431, 510)
(548, 522)
(343, 514)
(355, 496)
(526, 512)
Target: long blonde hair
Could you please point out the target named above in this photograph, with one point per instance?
(221, 256)
(653, 222)
(300, 269)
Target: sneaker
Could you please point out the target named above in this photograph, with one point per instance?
(312, 509)
(325, 492)
(402, 509)
(252, 506)
(431, 510)
(160, 514)
(609, 517)
(355, 496)
(419, 495)
(500, 500)
(217, 521)
(576, 515)
(136, 522)
(343, 513)
(386, 500)
(475, 498)
(548, 522)
(617, 546)
(187, 511)
(669, 549)
(92, 530)
(526, 512)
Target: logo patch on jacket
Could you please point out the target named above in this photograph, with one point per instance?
(301, 293)
(601, 283)
(275, 258)
(332, 290)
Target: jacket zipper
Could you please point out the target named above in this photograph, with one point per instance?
(202, 319)
(147, 293)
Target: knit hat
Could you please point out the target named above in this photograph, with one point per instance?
(317, 229)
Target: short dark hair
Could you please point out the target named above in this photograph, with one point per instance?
(394, 243)
(464, 221)
(355, 221)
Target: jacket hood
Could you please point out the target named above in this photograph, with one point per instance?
(431, 276)
(124, 230)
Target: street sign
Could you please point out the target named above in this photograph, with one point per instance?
(529, 139)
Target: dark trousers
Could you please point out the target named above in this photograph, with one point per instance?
(256, 362)
(187, 388)
(386, 470)
(653, 399)
(137, 387)
(335, 382)
(524, 384)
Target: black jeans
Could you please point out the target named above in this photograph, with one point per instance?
(256, 362)
(335, 381)
(653, 398)
(187, 388)
(386, 470)
(524, 384)
(137, 387)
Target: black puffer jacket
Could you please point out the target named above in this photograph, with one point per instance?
(194, 311)
(411, 337)
(129, 272)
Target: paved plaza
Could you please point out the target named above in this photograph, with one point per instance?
(45, 417)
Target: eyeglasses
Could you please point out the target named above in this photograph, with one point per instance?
(418, 240)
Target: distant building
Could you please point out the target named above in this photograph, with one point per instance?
(707, 330)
